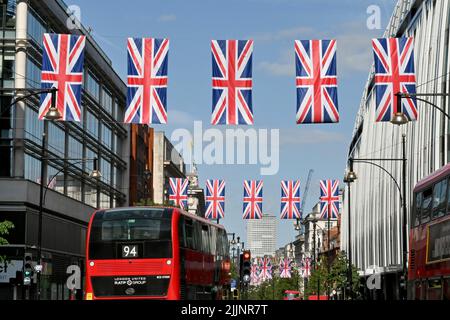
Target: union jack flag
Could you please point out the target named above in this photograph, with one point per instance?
(306, 267)
(62, 68)
(232, 82)
(394, 73)
(265, 269)
(253, 192)
(290, 200)
(215, 199)
(329, 199)
(317, 100)
(254, 274)
(147, 81)
(178, 191)
(285, 268)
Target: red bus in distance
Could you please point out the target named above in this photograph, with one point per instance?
(155, 253)
(429, 238)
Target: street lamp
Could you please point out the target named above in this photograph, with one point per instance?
(351, 176)
(43, 191)
(400, 117)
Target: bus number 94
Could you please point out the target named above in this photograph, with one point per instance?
(130, 251)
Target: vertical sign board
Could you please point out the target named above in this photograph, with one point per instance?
(438, 242)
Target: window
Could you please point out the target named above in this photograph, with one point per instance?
(107, 102)
(426, 204)
(415, 219)
(36, 29)
(90, 196)
(189, 229)
(90, 154)
(55, 179)
(56, 139)
(33, 126)
(75, 151)
(92, 124)
(205, 239)
(74, 188)
(105, 169)
(92, 86)
(104, 201)
(213, 239)
(439, 203)
(7, 69)
(32, 169)
(106, 136)
(33, 74)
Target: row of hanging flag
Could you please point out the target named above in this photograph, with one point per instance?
(232, 83)
(262, 269)
(253, 198)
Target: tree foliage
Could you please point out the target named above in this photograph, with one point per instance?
(320, 279)
(274, 289)
(5, 227)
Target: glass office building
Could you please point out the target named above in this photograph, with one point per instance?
(72, 194)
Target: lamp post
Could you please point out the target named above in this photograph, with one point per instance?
(349, 178)
(42, 193)
(402, 193)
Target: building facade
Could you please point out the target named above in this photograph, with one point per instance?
(167, 163)
(376, 216)
(262, 236)
(72, 193)
(141, 164)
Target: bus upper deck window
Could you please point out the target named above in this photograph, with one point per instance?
(426, 205)
(439, 199)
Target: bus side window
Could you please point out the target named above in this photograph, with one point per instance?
(189, 228)
(426, 205)
(439, 200)
(226, 245)
(448, 197)
(198, 236)
(415, 219)
(213, 239)
(182, 232)
(205, 239)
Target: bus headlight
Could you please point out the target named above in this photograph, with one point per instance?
(91, 263)
(89, 296)
(169, 262)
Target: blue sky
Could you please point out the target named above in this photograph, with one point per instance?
(273, 25)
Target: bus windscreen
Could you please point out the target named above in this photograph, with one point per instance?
(127, 234)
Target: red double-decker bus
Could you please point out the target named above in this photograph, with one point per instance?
(429, 254)
(155, 253)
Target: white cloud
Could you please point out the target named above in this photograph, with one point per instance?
(289, 33)
(354, 49)
(167, 18)
(292, 137)
(180, 118)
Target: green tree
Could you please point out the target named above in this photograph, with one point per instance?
(336, 279)
(5, 226)
(274, 288)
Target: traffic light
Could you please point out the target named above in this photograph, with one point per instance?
(27, 268)
(246, 266)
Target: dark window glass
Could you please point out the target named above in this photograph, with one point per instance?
(205, 239)
(426, 206)
(415, 219)
(148, 228)
(189, 228)
(439, 203)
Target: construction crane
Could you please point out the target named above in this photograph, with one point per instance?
(305, 196)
